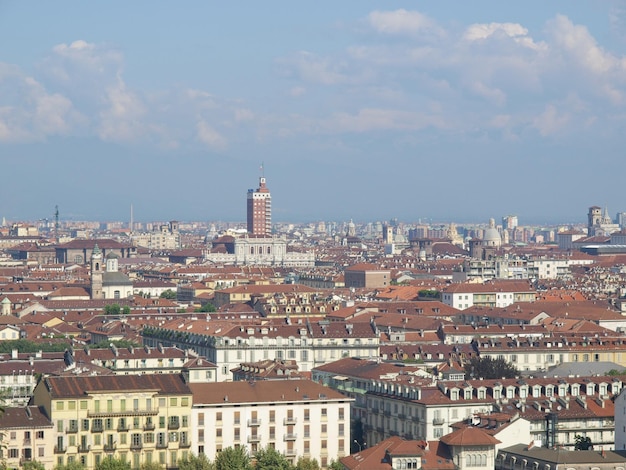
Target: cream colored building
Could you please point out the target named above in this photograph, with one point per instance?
(299, 418)
(26, 435)
(139, 419)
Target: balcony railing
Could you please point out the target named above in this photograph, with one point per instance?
(123, 427)
(120, 413)
(291, 436)
(161, 445)
(97, 428)
(109, 447)
(72, 429)
(290, 420)
(173, 425)
(184, 444)
(254, 438)
(148, 427)
(136, 446)
(254, 422)
(438, 421)
(60, 449)
(84, 449)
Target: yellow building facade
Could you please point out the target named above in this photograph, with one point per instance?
(139, 419)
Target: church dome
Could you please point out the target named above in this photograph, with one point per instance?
(491, 237)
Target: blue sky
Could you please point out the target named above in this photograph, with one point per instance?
(365, 110)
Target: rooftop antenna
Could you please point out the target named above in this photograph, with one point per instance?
(131, 221)
(262, 169)
(56, 223)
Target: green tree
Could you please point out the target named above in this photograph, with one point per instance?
(582, 442)
(151, 466)
(112, 309)
(305, 463)
(195, 462)
(126, 310)
(488, 368)
(208, 307)
(335, 465)
(70, 466)
(233, 458)
(111, 463)
(270, 459)
(33, 465)
(168, 294)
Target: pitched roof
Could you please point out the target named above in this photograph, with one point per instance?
(74, 387)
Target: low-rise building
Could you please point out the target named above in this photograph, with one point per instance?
(299, 418)
(26, 435)
(137, 418)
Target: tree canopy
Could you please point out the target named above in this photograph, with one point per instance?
(233, 458)
(489, 368)
(110, 463)
(168, 294)
(208, 307)
(582, 442)
(270, 459)
(75, 465)
(195, 462)
(306, 463)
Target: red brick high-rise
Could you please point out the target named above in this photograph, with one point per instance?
(260, 211)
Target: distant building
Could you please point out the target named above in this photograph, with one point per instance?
(298, 418)
(260, 210)
(366, 275)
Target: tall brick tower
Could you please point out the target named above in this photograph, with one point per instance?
(260, 210)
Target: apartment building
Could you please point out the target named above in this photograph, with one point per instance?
(400, 403)
(228, 345)
(540, 354)
(137, 418)
(299, 418)
(26, 435)
(491, 294)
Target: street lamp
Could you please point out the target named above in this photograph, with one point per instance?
(360, 446)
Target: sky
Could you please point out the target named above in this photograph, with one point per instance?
(447, 111)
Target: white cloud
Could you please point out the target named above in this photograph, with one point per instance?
(242, 115)
(494, 95)
(209, 136)
(402, 22)
(515, 31)
(550, 121)
(123, 117)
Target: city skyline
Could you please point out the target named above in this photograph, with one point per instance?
(414, 111)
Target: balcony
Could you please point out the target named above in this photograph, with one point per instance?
(109, 447)
(60, 449)
(124, 413)
(161, 445)
(290, 452)
(387, 412)
(136, 446)
(84, 449)
(173, 425)
(123, 427)
(72, 428)
(415, 419)
(290, 436)
(97, 428)
(254, 438)
(185, 444)
(290, 420)
(401, 416)
(438, 421)
(148, 427)
(254, 422)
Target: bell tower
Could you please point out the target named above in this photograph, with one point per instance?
(96, 273)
